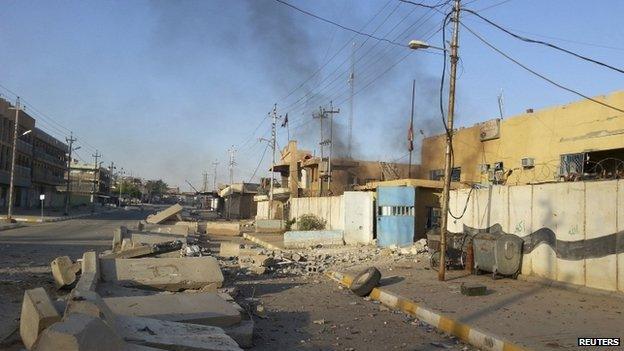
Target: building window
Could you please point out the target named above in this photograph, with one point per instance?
(571, 165)
(438, 174)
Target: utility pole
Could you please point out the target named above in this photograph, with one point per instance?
(351, 94)
(14, 154)
(69, 140)
(321, 116)
(331, 113)
(95, 172)
(214, 176)
(205, 186)
(232, 162)
(411, 131)
(273, 142)
(449, 141)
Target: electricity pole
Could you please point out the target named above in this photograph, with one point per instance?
(449, 141)
(232, 162)
(95, 173)
(320, 116)
(411, 131)
(69, 140)
(14, 154)
(273, 142)
(351, 94)
(331, 113)
(205, 186)
(214, 177)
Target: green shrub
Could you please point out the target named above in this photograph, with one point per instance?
(310, 222)
(289, 224)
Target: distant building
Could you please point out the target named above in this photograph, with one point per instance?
(24, 157)
(580, 140)
(48, 169)
(87, 181)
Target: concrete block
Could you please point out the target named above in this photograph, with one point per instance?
(89, 303)
(197, 308)
(270, 226)
(64, 271)
(223, 228)
(473, 289)
(79, 332)
(242, 333)
(165, 214)
(146, 250)
(90, 272)
(228, 249)
(175, 336)
(38, 313)
(193, 227)
(302, 239)
(150, 238)
(163, 273)
(167, 229)
(118, 235)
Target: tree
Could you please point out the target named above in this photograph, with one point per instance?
(155, 188)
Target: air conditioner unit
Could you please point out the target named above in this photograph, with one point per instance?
(528, 162)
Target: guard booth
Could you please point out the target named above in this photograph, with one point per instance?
(395, 215)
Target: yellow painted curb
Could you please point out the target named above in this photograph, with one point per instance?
(261, 242)
(462, 331)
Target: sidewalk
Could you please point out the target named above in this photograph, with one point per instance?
(34, 216)
(527, 314)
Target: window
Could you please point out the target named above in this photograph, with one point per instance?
(438, 174)
(571, 165)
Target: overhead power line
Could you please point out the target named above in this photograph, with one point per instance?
(553, 46)
(425, 5)
(491, 46)
(339, 25)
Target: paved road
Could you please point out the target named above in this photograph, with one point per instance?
(25, 255)
(38, 244)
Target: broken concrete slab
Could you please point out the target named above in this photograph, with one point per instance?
(242, 333)
(307, 238)
(145, 250)
(38, 313)
(150, 238)
(165, 214)
(167, 229)
(223, 228)
(79, 332)
(118, 235)
(64, 271)
(229, 249)
(198, 308)
(90, 272)
(163, 273)
(89, 303)
(174, 336)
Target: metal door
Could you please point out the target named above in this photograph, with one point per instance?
(395, 215)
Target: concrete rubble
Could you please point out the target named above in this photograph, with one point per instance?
(161, 294)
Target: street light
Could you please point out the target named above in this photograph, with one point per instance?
(419, 44)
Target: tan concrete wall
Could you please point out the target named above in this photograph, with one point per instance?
(543, 135)
(587, 214)
(329, 208)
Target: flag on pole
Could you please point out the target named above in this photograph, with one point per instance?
(410, 138)
(285, 123)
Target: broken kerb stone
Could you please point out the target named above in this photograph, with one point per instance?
(198, 308)
(172, 274)
(470, 289)
(38, 313)
(165, 214)
(79, 332)
(64, 271)
(175, 336)
(145, 250)
(90, 272)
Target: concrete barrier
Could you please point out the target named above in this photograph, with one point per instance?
(197, 308)
(164, 214)
(270, 226)
(164, 273)
(302, 239)
(223, 228)
(38, 313)
(90, 272)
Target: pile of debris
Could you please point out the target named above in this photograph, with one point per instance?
(139, 295)
(314, 260)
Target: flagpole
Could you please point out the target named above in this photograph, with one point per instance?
(410, 134)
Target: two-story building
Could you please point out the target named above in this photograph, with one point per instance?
(48, 169)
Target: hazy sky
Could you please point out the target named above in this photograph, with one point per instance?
(164, 88)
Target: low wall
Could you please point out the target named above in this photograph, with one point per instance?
(329, 208)
(573, 232)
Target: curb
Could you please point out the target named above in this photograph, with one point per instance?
(462, 331)
(57, 219)
(261, 242)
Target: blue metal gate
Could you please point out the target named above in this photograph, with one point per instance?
(395, 215)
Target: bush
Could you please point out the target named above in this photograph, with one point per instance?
(310, 222)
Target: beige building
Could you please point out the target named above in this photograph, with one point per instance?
(580, 140)
(48, 169)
